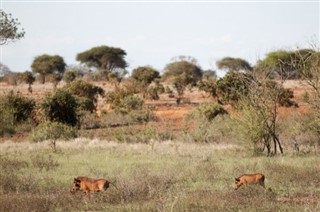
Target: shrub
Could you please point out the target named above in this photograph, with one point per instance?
(210, 123)
(154, 91)
(208, 86)
(40, 162)
(208, 111)
(9, 175)
(86, 92)
(61, 107)
(114, 97)
(143, 115)
(20, 107)
(71, 75)
(232, 86)
(130, 103)
(15, 110)
(53, 131)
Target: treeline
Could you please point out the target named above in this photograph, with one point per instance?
(256, 92)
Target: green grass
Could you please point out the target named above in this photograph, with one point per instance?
(164, 176)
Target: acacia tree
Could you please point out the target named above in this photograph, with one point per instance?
(280, 64)
(47, 64)
(9, 30)
(258, 111)
(310, 66)
(233, 64)
(182, 74)
(145, 75)
(28, 78)
(104, 58)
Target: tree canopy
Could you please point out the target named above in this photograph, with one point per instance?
(103, 57)
(182, 74)
(285, 64)
(190, 72)
(233, 64)
(145, 74)
(9, 30)
(47, 64)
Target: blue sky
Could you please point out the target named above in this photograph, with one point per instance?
(154, 32)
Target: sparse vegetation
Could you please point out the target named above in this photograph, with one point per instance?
(167, 175)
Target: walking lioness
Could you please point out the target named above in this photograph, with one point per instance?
(246, 179)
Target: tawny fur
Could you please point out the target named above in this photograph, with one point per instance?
(246, 179)
(88, 185)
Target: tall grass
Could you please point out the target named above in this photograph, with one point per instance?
(156, 176)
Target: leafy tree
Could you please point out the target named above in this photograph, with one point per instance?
(47, 64)
(185, 58)
(232, 86)
(9, 30)
(257, 111)
(279, 64)
(182, 74)
(86, 92)
(55, 78)
(61, 107)
(104, 58)
(145, 74)
(28, 78)
(309, 64)
(233, 64)
(258, 116)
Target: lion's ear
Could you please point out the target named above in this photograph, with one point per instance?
(237, 179)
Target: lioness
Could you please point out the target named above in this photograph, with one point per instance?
(246, 179)
(87, 185)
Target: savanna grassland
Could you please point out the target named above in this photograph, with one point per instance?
(162, 176)
(163, 165)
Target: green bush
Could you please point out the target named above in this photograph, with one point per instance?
(53, 131)
(208, 86)
(115, 97)
(71, 75)
(232, 86)
(15, 110)
(61, 107)
(87, 94)
(20, 107)
(208, 111)
(210, 123)
(130, 103)
(143, 115)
